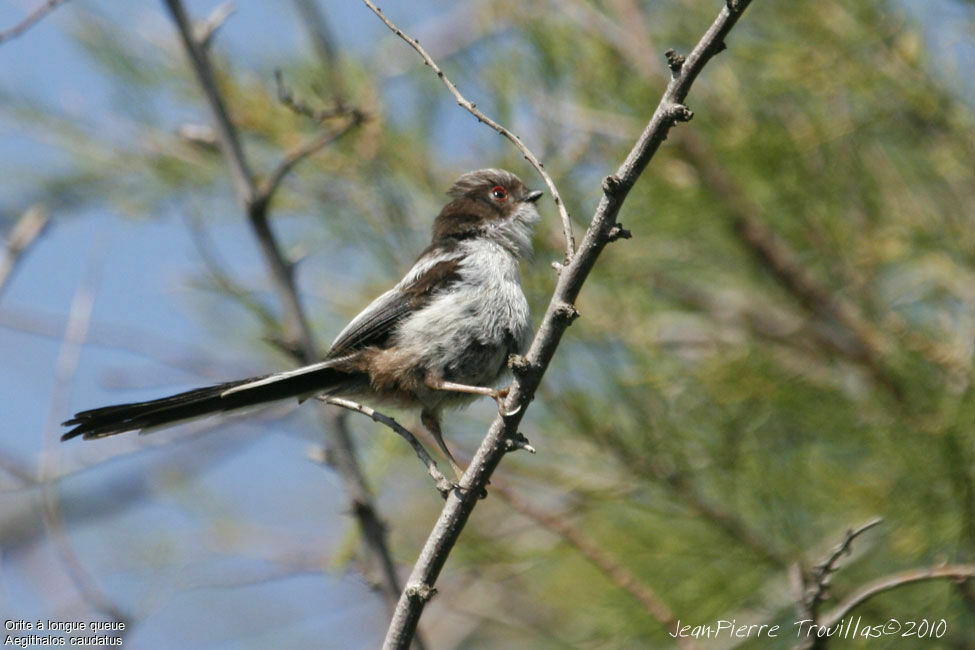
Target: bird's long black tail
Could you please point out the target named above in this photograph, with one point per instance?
(109, 420)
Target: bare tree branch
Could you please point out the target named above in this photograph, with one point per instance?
(226, 132)
(443, 484)
(222, 281)
(570, 242)
(957, 572)
(286, 97)
(24, 233)
(823, 570)
(148, 345)
(17, 468)
(30, 20)
(273, 181)
(813, 590)
(256, 200)
(76, 330)
(323, 40)
(866, 346)
(843, 328)
(207, 29)
(615, 572)
(560, 313)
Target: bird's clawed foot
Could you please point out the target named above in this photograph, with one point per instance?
(497, 394)
(445, 486)
(499, 397)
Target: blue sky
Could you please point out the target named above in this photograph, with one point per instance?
(195, 557)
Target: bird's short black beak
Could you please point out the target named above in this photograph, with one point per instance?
(533, 196)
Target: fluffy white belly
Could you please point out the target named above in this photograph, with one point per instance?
(466, 333)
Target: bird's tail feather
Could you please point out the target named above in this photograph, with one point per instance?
(109, 420)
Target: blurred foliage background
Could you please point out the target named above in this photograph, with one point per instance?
(783, 350)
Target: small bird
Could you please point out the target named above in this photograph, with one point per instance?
(439, 338)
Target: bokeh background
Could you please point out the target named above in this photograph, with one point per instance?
(783, 350)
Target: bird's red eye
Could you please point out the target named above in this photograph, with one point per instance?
(499, 193)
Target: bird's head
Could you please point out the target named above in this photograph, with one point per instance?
(490, 203)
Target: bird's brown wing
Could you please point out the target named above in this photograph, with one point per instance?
(375, 325)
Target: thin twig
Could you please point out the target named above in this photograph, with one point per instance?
(207, 29)
(323, 40)
(299, 107)
(221, 279)
(560, 313)
(816, 593)
(728, 521)
(338, 441)
(24, 233)
(813, 590)
(254, 201)
(570, 242)
(110, 336)
(17, 468)
(443, 484)
(605, 563)
(591, 19)
(196, 450)
(868, 348)
(226, 132)
(30, 20)
(295, 156)
(75, 333)
(958, 572)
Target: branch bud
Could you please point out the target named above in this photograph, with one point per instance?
(421, 592)
(618, 232)
(518, 441)
(680, 113)
(519, 365)
(675, 61)
(611, 184)
(567, 313)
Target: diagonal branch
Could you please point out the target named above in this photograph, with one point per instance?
(25, 232)
(826, 568)
(207, 29)
(618, 573)
(226, 132)
(295, 156)
(813, 590)
(75, 333)
(471, 107)
(560, 313)
(298, 107)
(30, 20)
(323, 40)
(443, 484)
(867, 346)
(614, 571)
(296, 324)
(957, 572)
(255, 201)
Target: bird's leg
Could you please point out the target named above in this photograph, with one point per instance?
(443, 485)
(497, 394)
(432, 423)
